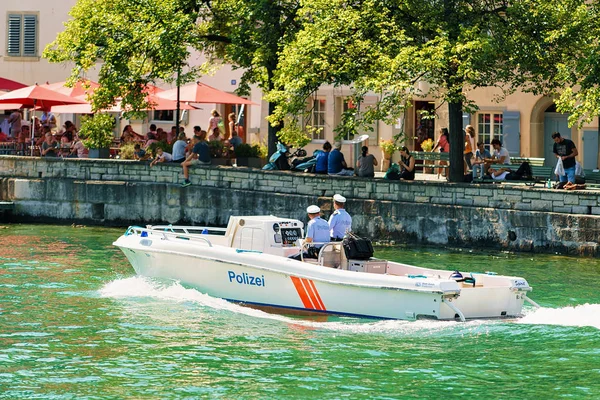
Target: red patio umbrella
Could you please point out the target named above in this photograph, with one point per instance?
(81, 88)
(37, 97)
(7, 84)
(201, 93)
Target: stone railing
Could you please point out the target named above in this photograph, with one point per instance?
(505, 196)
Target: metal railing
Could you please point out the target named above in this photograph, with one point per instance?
(167, 235)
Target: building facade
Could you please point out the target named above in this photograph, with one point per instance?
(522, 121)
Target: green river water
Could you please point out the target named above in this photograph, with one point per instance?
(76, 323)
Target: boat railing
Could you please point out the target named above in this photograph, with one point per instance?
(190, 230)
(167, 234)
(325, 246)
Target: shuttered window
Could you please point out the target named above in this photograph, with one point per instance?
(22, 35)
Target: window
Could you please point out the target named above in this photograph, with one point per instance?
(22, 35)
(371, 129)
(317, 119)
(489, 127)
(163, 116)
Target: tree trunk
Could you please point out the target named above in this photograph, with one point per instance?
(457, 142)
(272, 130)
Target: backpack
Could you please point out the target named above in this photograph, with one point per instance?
(357, 248)
(393, 173)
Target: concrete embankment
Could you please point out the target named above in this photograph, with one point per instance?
(111, 192)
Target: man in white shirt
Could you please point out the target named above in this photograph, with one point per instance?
(340, 221)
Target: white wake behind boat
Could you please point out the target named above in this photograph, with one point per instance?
(248, 263)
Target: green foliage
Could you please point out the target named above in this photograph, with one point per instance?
(126, 151)
(246, 150)
(292, 135)
(217, 149)
(96, 131)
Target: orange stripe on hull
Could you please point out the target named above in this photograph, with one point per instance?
(314, 287)
(311, 293)
(302, 292)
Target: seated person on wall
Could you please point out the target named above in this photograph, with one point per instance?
(407, 165)
(478, 163)
(366, 164)
(179, 148)
(336, 165)
(49, 146)
(161, 157)
(317, 231)
(139, 153)
(322, 157)
(500, 155)
(200, 156)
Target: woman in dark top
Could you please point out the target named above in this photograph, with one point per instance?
(407, 164)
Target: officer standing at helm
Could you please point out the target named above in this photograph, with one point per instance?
(340, 221)
(317, 231)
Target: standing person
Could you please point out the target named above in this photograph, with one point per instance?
(469, 146)
(443, 144)
(200, 156)
(565, 150)
(407, 164)
(232, 127)
(366, 164)
(48, 119)
(481, 154)
(317, 231)
(214, 121)
(340, 221)
(179, 147)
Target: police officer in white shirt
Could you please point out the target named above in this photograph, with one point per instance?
(340, 221)
(317, 231)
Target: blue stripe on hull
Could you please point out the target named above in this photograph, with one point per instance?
(325, 312)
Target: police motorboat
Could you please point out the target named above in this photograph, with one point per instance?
(249, 262)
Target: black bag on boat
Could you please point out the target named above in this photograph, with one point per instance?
(357, 248)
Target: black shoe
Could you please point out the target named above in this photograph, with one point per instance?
(186, 183)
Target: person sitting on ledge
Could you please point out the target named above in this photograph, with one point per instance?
(200, 156)
(407, 163)
(138, 153)
(321, 157)
(161, 157)
(366, 164)
(336, 165)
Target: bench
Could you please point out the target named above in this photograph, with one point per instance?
(533, 161)
(592, 176)
(422, 156)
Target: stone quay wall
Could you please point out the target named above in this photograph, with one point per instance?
(115, 192)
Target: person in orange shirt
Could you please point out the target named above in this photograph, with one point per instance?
(469, 146)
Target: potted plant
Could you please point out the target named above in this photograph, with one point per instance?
(248, 156)
(388, 147)
(97, 134)
(219, 153)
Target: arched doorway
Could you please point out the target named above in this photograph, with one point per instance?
(544, 121)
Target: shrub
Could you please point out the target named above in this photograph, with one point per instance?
(96, 131)
(246, 150)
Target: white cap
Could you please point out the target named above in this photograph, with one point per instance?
(313, 209)
(339, 198)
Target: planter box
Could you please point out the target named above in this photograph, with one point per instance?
(253, 162)
(99, 153)
(221, 161)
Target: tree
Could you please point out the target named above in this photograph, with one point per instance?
(388, 47)
(148, 41)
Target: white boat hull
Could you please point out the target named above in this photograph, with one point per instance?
(274, 281)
